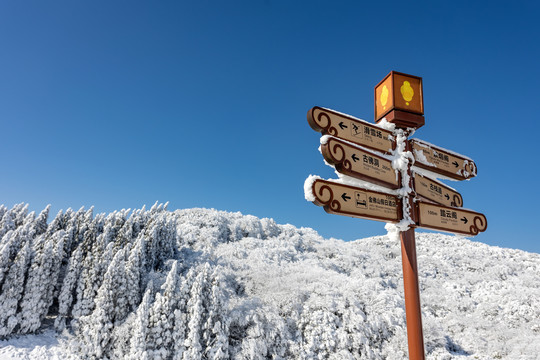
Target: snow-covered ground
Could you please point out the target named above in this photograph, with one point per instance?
(207, 284)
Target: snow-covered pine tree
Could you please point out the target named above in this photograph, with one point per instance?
(65, 298)
(161, 322)
(13, 241)
(12, 290)
(7, 223)
(3, 210)
(56, 224)
(137, 349)
(40, 223)
(87, 282)
(21, 211)
(95, 330)
(215, 332)
(179, 330)
(136, 276)
(8, 250)
(160, 235)
(41, 282)
(195, 312)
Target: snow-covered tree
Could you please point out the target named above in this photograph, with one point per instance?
(161, 321)
(110, 308)
(41, 282)
(215, 332)
(12, 290)
(65, 297)
(140, 327)
(195, 313)
(7, 224)
(40, 223)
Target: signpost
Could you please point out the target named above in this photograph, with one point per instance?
(365, 151)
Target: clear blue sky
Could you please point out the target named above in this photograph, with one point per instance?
(117, 104)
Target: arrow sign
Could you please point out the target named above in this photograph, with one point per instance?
(360, 163)
(367, 204)
(436, 191)
(451, 219)
(442, 161)
(329, 122)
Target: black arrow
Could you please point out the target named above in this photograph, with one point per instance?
(355, 158)
(455, 164)
(447, 197)
(345, 197)
(465, 220)
(342, 125)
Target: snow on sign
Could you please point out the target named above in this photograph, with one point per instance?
(356, 202)
(436, 191)
(360, 163)
(329, 122)
(442, 161)
(455, 220)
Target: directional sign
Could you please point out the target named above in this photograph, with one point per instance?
(451, 219)
(329, 122)
(356, 202)
(442, 161)
(360, 163)
(436, 191)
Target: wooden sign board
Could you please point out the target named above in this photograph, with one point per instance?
(442, 161)
(356, 202)
(346, 127)
(435, 191)
(359, 163)
(451, 219)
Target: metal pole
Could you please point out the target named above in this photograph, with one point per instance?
(412, 296)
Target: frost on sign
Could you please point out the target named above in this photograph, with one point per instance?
(442, 161)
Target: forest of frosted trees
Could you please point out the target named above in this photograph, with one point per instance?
(206, 284)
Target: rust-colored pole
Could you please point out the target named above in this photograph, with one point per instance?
(413, 315)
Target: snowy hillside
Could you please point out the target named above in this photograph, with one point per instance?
(206, 284)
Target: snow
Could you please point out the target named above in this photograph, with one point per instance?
(349, 180)
(45, 345)
(439, 148)
(308, 187)
(420, 157)
(433, 175)
(207, 283)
